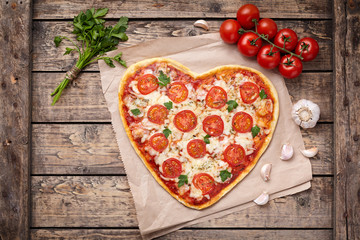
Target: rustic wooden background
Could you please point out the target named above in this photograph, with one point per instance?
(61, 176)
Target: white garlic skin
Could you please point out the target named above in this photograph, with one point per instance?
(262, 199)
(265, 172)
(287, 151)
(311, 152)
(305, 113)
(202, 24)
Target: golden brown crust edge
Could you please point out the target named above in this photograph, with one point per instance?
(133, 68)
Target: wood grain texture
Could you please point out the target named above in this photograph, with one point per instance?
(47, 9)
(92, 149)
(46, 57)
(347, 115)
(94, 201)
(208, 234)
(75, 149)
(15, 42)
(86, 102)
(83, 103)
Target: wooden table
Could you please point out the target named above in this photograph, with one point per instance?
(61, 176)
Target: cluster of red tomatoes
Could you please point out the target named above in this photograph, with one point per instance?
(250, 34)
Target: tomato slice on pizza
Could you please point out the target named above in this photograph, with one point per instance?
(185, 120)
(158, 142)
(242, 122)
(249, 92)
(157, 114)
(196, 148)
(177, 92)
(147, 83)
(185, 131)
(171, 168)
(213, 125)
(216, 97)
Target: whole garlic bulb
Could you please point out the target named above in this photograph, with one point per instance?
(305, 113)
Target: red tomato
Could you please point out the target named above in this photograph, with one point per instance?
(288, 37)
(158, 142)
(177, 92)
(185, 120)
(246, 14)
(242, 122)
(204, 182)
(157, 114)
(216, 97)
(290, 67)
(267, 27)
(229, 31)
(171, 168)
(196, 148)
(234, 154)
(249, 92)
(308, 48)
(248, 45)
(213, 125)
(147, 84)
(268, 58)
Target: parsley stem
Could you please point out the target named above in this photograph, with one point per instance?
(77, 48)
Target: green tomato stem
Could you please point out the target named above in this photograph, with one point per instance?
(241, 31)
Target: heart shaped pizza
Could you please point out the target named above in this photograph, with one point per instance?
(198, 134)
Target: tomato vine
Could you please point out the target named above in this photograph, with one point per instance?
(265, 38)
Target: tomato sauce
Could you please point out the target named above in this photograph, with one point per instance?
(184, 78)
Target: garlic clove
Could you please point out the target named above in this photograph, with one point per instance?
(305, 113)
(202, 24)
(311, 152)
(262, 199)
(265, 172)
(287, 151)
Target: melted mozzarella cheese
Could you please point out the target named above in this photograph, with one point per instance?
(246, 141)
(212, 163)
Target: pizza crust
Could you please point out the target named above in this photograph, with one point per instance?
(135, 67)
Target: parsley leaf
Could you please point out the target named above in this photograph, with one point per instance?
(69, 50)
(262, 94)
(166, 132)
(255, 130)
(206, 139)
(135, 111)
(182, 180)
(109, 62)
(164, 80)
(224, 174)
(232, 105)
(100, 12)
(119, 60)
(57, 40)
(169, 105)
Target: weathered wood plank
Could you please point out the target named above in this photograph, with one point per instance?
(46, 57)
(209, 234)
(15, 42)
(94, 201)
(347, 124)
(47, 9)
(86, 103)
(92, 149)
(75, 149)
(82, 103)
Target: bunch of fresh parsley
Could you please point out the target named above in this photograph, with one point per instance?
(95, 40)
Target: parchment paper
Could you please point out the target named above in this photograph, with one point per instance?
(158, 212)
